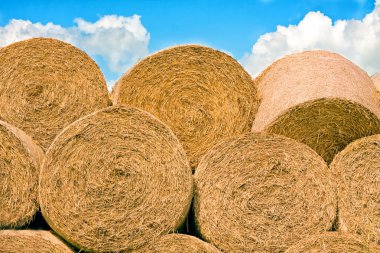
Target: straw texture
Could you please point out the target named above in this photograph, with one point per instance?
(115, 180)
(332, 242)
(46, 84)
(376, 81)
(20, 160)
(175, 243)
(204, 95)
(357, 170)
(262, 193)
(318, 98)
(31, 241)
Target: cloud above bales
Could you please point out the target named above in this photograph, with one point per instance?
(358, 40)
(119, 41)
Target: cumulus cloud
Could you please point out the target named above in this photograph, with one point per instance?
(119, 41)
(358, 40)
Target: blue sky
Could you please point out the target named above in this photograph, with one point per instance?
(232, 26)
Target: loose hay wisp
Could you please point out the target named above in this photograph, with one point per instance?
(115, 180)
(318, 98)
(204, 95)
(262, 193)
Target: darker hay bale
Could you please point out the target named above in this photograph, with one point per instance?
(20, 161)
(332, 242)
(318, 98)
(174, 243)
(115, 180)
(357, 170)
(204, 95)
(46, 84)
(262, 193)
(31, 241)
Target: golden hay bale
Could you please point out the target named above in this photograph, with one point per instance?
(318, 98)
(46, 84)
(262, 192)
(31, 241)
(357, 170)
(115, 180)
(20, 160)
(174, 243)
(332, 242)
(204, 95)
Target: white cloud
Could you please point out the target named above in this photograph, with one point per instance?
(358, 40)
(119, 40)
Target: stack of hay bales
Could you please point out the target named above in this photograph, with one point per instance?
(204, 95)
(45, 85)
(20, 160)
(119, 178)
(115, 180)
(357, 170)
(262, 193)
(15, 241)
(318, 98)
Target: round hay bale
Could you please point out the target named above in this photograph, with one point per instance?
(262, 193)
(357, 170)
(204, 95)
(20, 161)
(332, 242)
(115, 180)
(376, 81)
(318, 98)
(31, 241)
(174, 243)
(46, 84)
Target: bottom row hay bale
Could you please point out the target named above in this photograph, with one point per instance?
(20, 161)
(333, 242)
(357, 170)
(115, 180)
(262, 193)
(31, 241)
(174, 243)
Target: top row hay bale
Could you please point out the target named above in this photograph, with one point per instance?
(204, 95)
(46, 84)
(318, 98)
(376, 81)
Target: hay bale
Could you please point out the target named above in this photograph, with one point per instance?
(318, 98)
(376, 81)
(174, 243)
(46, 84)
(204, 95)
(31, 241)
(332, 242)
(357, 170)
(262, 193)
(115, 180)
(20, 160)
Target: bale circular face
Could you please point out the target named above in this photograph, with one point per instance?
(31, 241)
(115, 180)
(262, 193)
(332, 242)
(174, 243)
(325, 102)
(46, 84)
(20, 160)
(357, 170)
(204, 95)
